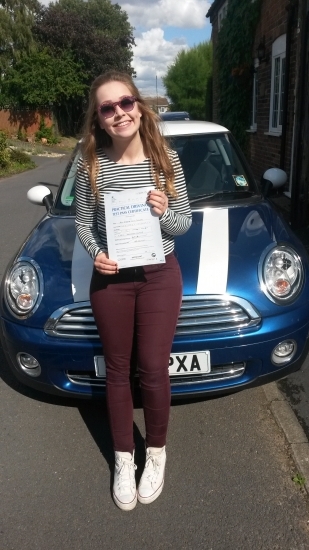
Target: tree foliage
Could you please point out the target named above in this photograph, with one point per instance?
(41, 79)
(16, 20)
(235, 70)
(69, 43)
(188, 80)
(97, 34)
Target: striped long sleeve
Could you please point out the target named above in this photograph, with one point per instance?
(90, 214)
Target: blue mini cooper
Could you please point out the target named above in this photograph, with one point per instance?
(245, 312)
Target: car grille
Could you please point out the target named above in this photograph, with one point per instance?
(218, 372)
(198, 315)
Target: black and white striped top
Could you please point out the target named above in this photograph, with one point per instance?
(90, 214)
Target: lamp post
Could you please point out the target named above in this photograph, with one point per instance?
(157, 94)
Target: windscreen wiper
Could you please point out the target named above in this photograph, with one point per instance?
(222, 194)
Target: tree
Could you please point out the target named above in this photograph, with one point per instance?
(96, 32)
(188, 80)
(40, 79)
(16, 20)
(75, 41)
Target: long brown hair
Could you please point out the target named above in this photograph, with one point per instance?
(154, 143)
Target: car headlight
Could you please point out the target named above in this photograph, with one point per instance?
(281, 274)
(24, 287)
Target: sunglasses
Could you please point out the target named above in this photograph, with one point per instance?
(126, 104)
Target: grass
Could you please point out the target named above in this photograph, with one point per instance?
(16, 168)
(26, 149)
(66, 145)
(29, 148)
(299, 480)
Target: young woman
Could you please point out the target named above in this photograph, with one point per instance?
(123, 149)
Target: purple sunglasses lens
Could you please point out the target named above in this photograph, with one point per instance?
(126, 104)
(107, 110)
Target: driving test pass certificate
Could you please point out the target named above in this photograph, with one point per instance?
(133, 231)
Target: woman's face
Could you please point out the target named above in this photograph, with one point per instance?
(122, 125)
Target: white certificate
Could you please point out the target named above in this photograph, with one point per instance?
(133, 231)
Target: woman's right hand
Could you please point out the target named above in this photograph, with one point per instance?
(104, 265)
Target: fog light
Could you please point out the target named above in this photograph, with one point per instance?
(284, 352)
(28, 364)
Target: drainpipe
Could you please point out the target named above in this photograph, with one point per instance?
(291, 13)
(296, 217)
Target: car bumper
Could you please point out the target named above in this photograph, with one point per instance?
(237, 361)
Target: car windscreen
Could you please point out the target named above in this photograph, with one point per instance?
(212, 166)
(65, 199)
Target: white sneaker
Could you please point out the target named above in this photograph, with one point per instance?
(152, 480)
(124, 488)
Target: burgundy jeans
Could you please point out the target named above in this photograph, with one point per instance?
(143, 302)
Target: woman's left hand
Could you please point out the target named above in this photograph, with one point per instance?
(158, 201)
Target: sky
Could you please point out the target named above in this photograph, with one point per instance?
(161, 29)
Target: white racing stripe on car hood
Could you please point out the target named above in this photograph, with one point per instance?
(82, 265)
(214, 253)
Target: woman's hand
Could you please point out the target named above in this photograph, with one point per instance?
(158, 201)
(104, 265)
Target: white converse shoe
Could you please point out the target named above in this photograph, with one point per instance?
(152, 480)
(124, 488)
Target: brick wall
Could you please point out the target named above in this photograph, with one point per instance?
(28, 121)
(265, 149)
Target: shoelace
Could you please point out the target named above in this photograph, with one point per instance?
(125, 470)
(152, 468)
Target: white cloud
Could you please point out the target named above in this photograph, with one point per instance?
(152, 56)
(161, 13)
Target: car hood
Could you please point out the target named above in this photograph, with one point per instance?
(221, 252)
(218, 255)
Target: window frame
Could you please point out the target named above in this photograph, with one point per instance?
(278, 61)
(255, 89)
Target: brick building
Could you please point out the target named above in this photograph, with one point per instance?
(158, 104)
(280, 58)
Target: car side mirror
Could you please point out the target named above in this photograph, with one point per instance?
(273, 178)
(41, 195)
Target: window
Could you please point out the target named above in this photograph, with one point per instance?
(213, 167)
(253, 125)
(277, 84)
(222, 14)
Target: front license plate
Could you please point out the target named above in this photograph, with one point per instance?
(189, 363)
